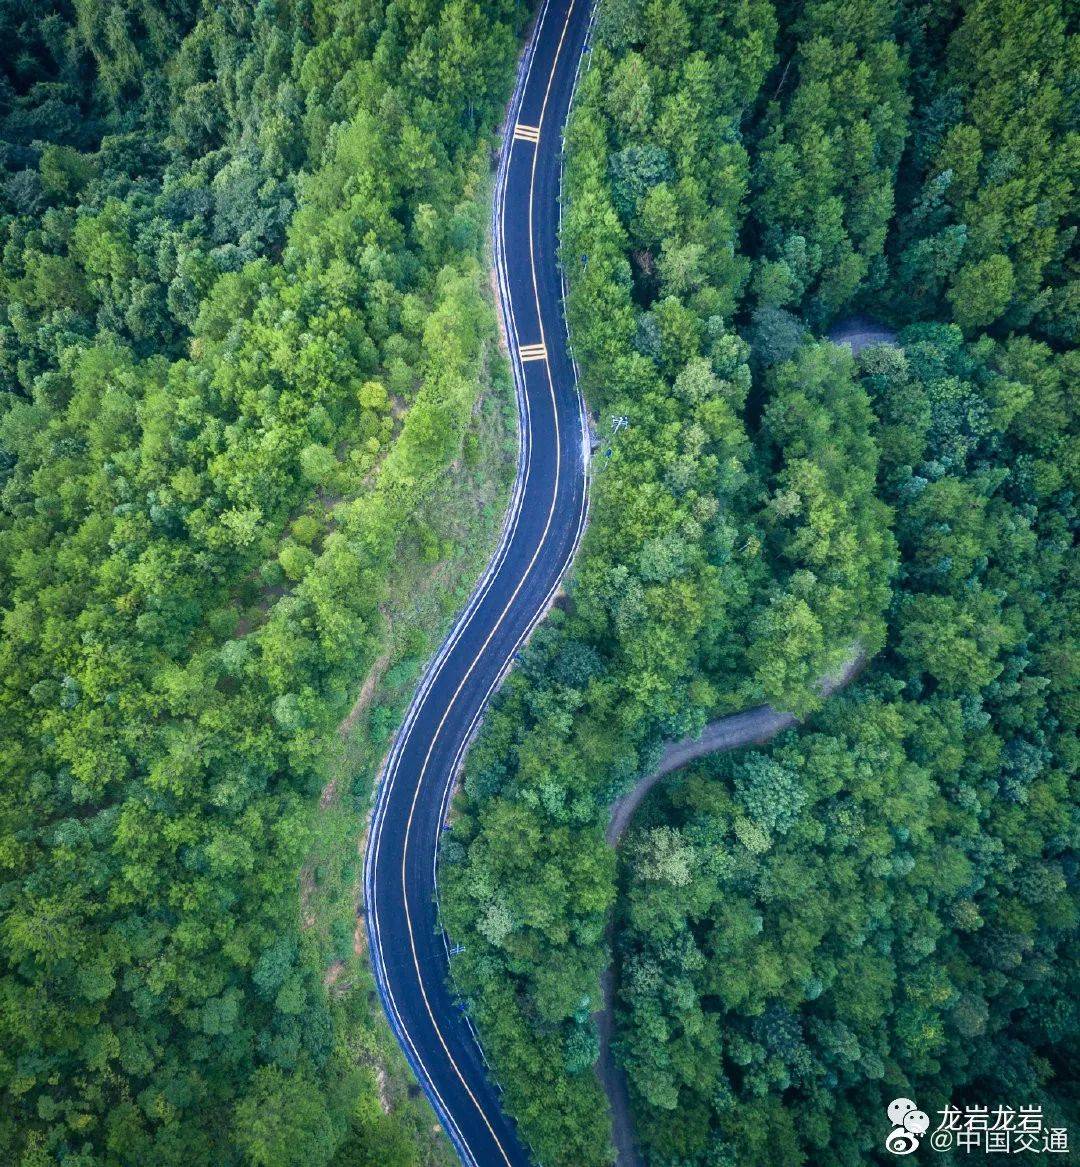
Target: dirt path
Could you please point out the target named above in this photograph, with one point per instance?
(751, 727)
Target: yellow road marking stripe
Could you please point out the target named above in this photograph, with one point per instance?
(476, 659)
(524, 133)
(533, 352)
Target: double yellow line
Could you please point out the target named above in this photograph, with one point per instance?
(531, 352)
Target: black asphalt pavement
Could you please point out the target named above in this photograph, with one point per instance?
(408, 950)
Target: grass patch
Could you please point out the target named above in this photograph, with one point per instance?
(434, 577)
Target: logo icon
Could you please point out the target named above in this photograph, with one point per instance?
(909, 1124)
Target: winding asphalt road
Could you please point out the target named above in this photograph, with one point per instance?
(542, 530)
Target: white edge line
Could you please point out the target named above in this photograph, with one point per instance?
(451, 786)
(434, 668)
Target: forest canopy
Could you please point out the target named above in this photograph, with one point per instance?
(883, 902)
(244, 327)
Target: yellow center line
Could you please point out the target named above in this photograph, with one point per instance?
(494, 630)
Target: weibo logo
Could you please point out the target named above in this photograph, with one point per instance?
(909, 1125)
